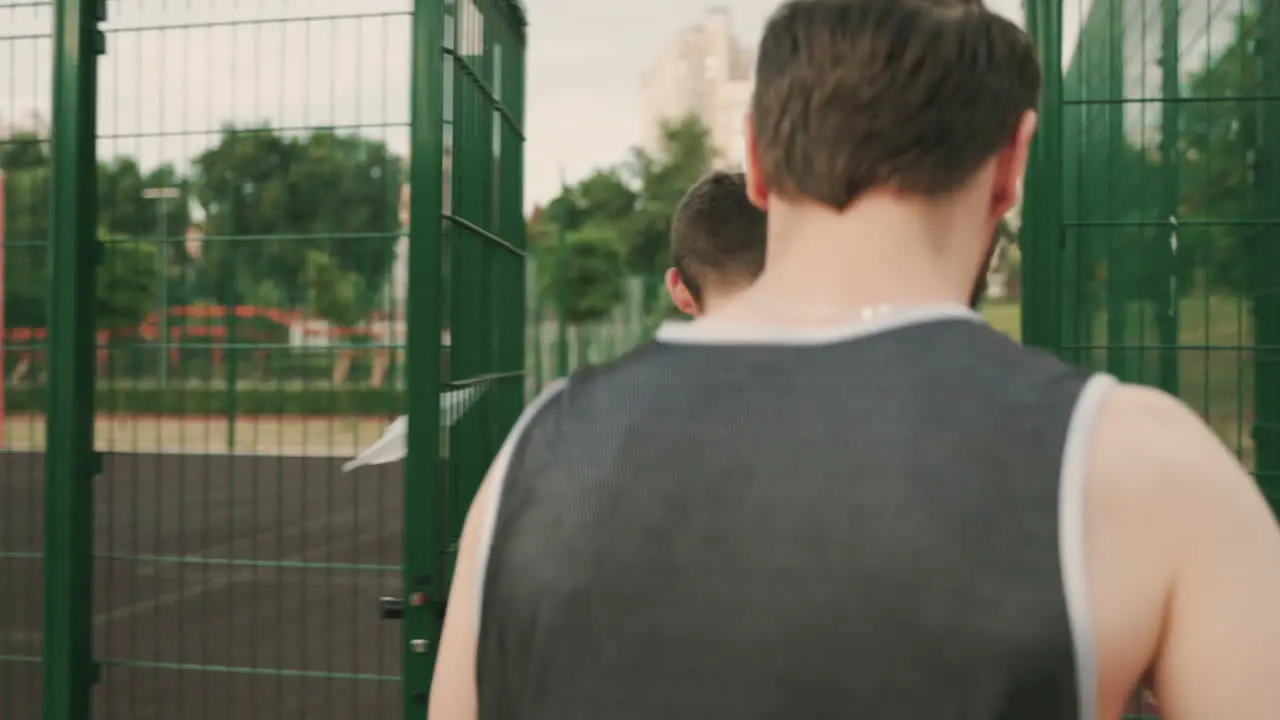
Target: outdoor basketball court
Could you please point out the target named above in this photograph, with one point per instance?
(224, 586)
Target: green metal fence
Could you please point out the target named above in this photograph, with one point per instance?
(209, 302)
(25, 36)
(557, 346)
(1153, 205)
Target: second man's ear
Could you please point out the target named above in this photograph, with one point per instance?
(680, 295)
(756, 191)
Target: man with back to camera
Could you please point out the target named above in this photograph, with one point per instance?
(842, 495)
(717, 244)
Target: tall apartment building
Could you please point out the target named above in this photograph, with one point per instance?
(704, 71)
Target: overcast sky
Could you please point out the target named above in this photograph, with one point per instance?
(177, 69)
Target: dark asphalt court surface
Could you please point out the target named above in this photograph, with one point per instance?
(253, 620)
(249, 621)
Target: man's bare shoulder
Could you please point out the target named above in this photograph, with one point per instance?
(1151, 448)
(1183, 558)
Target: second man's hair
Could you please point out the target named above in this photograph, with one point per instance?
(717, 235)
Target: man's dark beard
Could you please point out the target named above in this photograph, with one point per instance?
(979, 291)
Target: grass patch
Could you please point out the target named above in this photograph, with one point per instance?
(1214, 355)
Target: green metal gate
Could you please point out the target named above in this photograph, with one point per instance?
(211, 302)
(1151, 237)
(1153, 205)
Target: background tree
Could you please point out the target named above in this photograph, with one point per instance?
(24, 159)
(127, 284)
(591, 275)
(126, 292)
(684, 156)
(270, 201)
(337, 295)
(1218, 150)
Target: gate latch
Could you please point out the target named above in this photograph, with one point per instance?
(391, 608)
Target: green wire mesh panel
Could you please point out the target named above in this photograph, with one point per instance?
(626, 325)
(1169, 269)
(1171, 205)
(25, 111)
(484, 232)
(252, 164)
(1163, 267)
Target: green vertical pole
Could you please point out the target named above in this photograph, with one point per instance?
(1266, 262)
(1120, 242)
(562, 297)
(422, 531)
(162, 274)
(231, 298)
(233, 372)
(70, 463)
(1042, 215)
(1077, 311)
(1167, 306)
(467, 251)
(535, 317)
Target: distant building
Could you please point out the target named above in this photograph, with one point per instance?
(704, 71)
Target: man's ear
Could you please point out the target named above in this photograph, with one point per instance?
(756, 191)
(1011, 165)
(680, 295)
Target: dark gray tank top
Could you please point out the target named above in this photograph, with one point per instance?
(882, 523)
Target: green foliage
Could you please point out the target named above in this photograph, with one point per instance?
(1218, 144)
(590, 276)
(26, 233)
(329, 193)
(1123, 180)
(128, 279)
(23, 150)
(618, 221)
(124, 210)
(684, 157)
(290, 222)
(333, 293)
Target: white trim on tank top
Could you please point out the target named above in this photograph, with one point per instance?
(713, 332)
(1071, 537)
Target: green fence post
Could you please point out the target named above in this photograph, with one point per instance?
(233, 371)
(562, 299)
(69, 671)
(1042, 215)
(1123, 361)
(535, 319)
(1167, 307)
(1266, 261)
(423, 566)
(467, 320)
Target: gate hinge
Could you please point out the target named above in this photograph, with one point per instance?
(99, 42)
(95, 463)
(102, 11)
(95, 672)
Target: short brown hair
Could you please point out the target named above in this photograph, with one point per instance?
(911, 94)
(717, 232)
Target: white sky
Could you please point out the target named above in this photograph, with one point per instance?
(177, 69)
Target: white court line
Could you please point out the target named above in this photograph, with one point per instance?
(234, 547)
(145, 606)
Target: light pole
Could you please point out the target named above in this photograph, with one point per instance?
(164, 195)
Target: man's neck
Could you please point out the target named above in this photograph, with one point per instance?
(828, 268)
